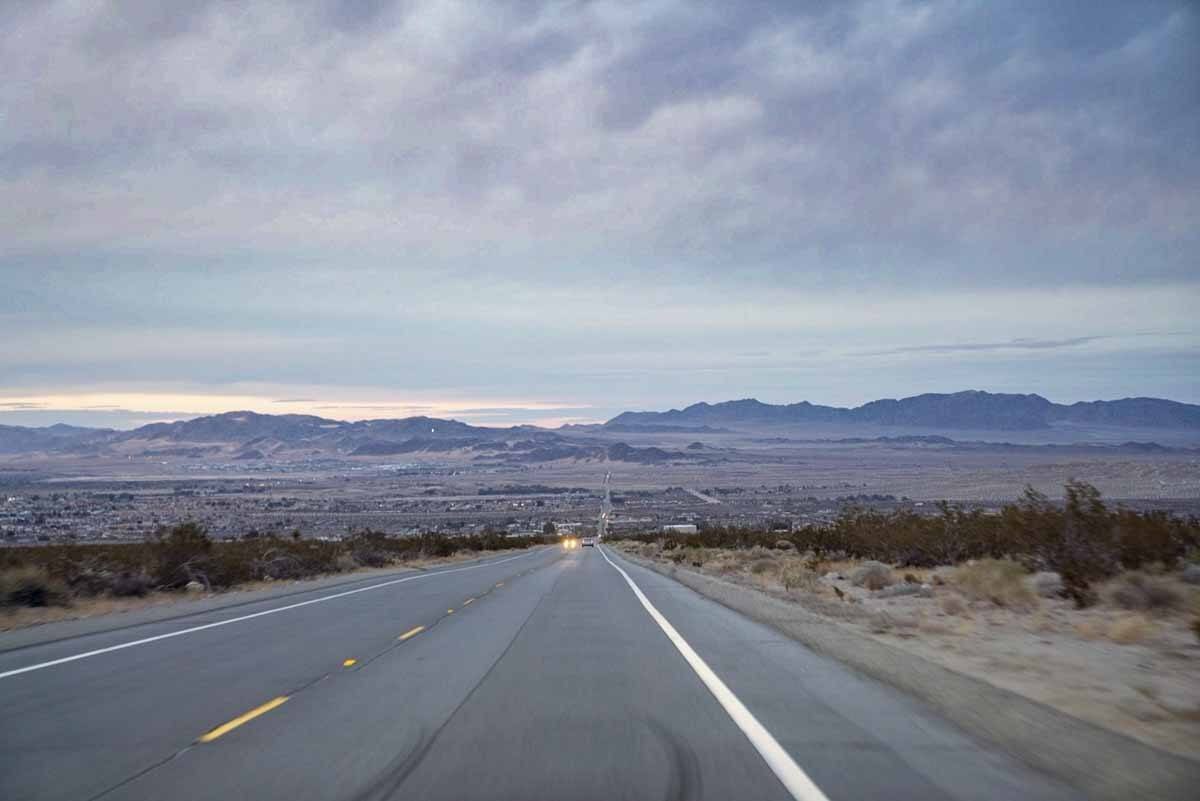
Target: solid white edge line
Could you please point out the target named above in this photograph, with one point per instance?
(778, 760)
(194, 629)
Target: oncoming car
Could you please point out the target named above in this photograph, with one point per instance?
(589, 541)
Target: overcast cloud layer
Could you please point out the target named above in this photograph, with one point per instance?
(554, 211)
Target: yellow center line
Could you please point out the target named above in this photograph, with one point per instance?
(413, 632)
(449, 611)
(468, 602)
(240, 719)
(349, 663)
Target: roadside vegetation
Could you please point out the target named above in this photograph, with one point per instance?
(1082, 540)
(1092, 610)
(184, 557)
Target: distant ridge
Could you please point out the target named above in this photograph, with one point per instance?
(250, 436)
(972, 409)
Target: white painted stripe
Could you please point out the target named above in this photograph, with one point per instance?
(194, 629)
(778, 760)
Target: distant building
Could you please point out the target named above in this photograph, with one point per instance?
(680, 528)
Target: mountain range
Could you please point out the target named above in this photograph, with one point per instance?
(249, 435)
(960, 410)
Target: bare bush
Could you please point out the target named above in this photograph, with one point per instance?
(182, 551)
(31, 586)
(1137, 591)
(1000, 581)
(762, 566)
(131, 585)
(798, 577)
(872, 575)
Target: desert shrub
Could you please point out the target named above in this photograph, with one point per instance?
(1078, 542)
(181, 552)
(1136, 591)
(30, 586)
(872, 575)
(785, 545)
(798, 577)
(762, 566)
(1000, 581)
(278, 565)
(131, 585)
(89, 582)
(369, 557)
(1145, 538)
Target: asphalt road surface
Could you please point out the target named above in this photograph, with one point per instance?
(550, 675)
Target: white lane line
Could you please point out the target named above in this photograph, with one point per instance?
(194, 629)
(778, 760)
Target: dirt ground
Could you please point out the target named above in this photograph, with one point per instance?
(1135, 672)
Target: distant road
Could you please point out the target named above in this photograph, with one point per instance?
(551, 675)
(702, 496)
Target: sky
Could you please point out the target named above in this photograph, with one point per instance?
(550, 212)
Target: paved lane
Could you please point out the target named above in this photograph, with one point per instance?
(73, 730)
(556, 684)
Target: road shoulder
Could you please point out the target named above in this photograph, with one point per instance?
(1105, 764)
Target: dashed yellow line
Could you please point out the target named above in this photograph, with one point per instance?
(240, 719)
(449, 611)
(349, 663)
(468, 602)
(413, 632)
(499, 583)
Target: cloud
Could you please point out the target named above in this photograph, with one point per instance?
(800, 139)
(507, 199)
(1014, 344)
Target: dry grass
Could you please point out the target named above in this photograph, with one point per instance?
(1000, 581)
(1131, 629)
(797, 577)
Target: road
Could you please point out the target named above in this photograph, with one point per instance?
(553, 674)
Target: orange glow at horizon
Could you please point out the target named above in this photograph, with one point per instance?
(182, 405)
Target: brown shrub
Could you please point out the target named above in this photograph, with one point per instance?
(798, 577)
(31, 586)
(131, 585)
(1000, 581)
(872, 575)
(760, 567)
(1137, 591)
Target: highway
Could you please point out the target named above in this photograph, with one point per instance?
(548, 675)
